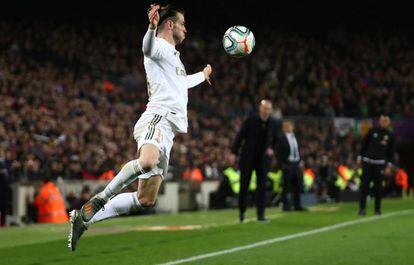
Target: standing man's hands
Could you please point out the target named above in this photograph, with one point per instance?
(359, 161)
(388, 170)
(207, 72)
(153, 16)
(269, 152)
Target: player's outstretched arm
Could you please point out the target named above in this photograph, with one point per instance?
(195, 79)
(149, 43)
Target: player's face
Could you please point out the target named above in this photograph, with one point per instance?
(179, 30)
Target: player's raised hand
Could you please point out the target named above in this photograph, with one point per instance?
(153, 16)
(207, 72)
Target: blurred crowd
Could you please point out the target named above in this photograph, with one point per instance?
(71, 94)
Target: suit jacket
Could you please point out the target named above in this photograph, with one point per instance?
(282, 148)
(378, 144)
(247, 142)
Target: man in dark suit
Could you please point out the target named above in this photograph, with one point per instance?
(253, 143)
(377, 156)
(287, 154)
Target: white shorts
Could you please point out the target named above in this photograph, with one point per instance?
(155, 129)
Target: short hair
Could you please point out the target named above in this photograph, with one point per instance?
(265, 101)
(169, 12)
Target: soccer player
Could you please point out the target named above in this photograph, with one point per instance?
(166, 115)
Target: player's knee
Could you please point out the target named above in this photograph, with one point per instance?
(147, 202)
(147, 164)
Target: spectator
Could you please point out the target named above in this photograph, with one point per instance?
(50, 204)
(69, 93)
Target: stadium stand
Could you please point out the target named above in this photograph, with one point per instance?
(71, 93)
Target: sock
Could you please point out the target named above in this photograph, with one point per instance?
(120, 204)
(129, 172)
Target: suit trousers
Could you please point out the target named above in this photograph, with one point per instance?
(245, 178)
(292, 184)
(371, 173)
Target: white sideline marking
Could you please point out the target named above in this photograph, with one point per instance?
(288, 237)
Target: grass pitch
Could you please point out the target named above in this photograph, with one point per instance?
(161, 239)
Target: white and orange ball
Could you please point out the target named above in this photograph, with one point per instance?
(238, 41)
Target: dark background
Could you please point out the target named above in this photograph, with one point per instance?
(309, 16)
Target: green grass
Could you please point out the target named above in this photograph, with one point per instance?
(119, 241)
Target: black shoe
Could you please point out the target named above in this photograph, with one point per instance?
(301, 209)
(378, 212)
(362, 212)
(263, 220)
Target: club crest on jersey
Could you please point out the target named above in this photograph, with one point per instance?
(180, 71)
(384, 140)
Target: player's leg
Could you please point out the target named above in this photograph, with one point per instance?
(100, 207)
(149, 156)
(245, 176)
(148, 159)
(153, 134)
(125, 203)
(148, 190)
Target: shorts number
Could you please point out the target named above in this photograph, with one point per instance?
(149, 89)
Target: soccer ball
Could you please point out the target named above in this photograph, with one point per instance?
(238, 41)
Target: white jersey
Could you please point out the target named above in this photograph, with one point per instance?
(167, 80)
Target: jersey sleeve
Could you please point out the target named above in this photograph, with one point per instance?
(150, 46)
(195, 79)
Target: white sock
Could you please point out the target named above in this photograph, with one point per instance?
(120, 204)
(129, 172)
